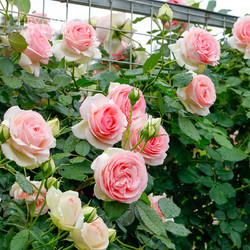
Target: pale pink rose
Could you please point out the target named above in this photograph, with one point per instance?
(233, 137)
(198, 96)
(38, 18)
(154, 200)
(30, 137)
(18, 194)
(91, 236)
(197, 47)
(241, 36)
(103, 122)
(79, 43)
(119, 94)
(120, 175)
(38, 50)
(118, 21)
(154, 151)
(65, 209)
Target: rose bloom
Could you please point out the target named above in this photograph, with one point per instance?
(154, 151)
(241, 36)
(119, 21)
(119, 94)
(79, 43)
(38, 18)
(38, 50)
(30, 137)
(65, 209)
(94, 235)
(198, 96)
(18, 194)
(120, 175)
(196, 48)
(154, 204)
(103, 122)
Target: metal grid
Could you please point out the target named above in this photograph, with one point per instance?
(137, 8)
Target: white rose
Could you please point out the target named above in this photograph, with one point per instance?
(65, 209)
(94, 235)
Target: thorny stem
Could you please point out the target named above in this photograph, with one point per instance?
(137, 144)
(125, 245)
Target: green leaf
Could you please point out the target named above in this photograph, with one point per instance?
(177, 229)
(234, 154)
(105, 78)
(188, 175)
(77, 160)
(151, 62)
(23, 5)
(62, 80)
(14, 83)
(150, 218)
(6, 66)
(115, 209)
(246, 102)
(207, 181)
(225, 175)
(224, 11)
(70, 143)
(168, 208)
(83, 148)
(160, 104)
(222, 140)
(166, 241)
(220, 215)
(75, 171)
(182, 80)
(144, 198)
(225, 228)
(245, 71)
(206, 169)
(227, 189)
(61, 156)
(17, 41)
(213, 154)
(233, 81)
(217, 195)
(236, 238)
(238, 226)
(65, 99)
(211, 5)
(19, 240)
(188, 128)
(33, 81)
(24, 183)
(138, 19)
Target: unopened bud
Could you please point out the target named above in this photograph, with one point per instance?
(151, 128)
(52, 181)
(89, 213)
(134, 96)
(55, 126)
(48, 167)
(4, 133)
(112, 235)
(165, 13)
(93, 20)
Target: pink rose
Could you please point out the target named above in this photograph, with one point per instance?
(38, 18)
(198, 96)
(119, 94)
(91, 236)
(197, 47)
(18, 194)
(120, 175)
(79, 43)
(241, 36)
(103, 122)
(38, 50)
(154, 200)
(154, 151)
(30, 137)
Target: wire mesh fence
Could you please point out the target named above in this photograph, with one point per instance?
(143, 32)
